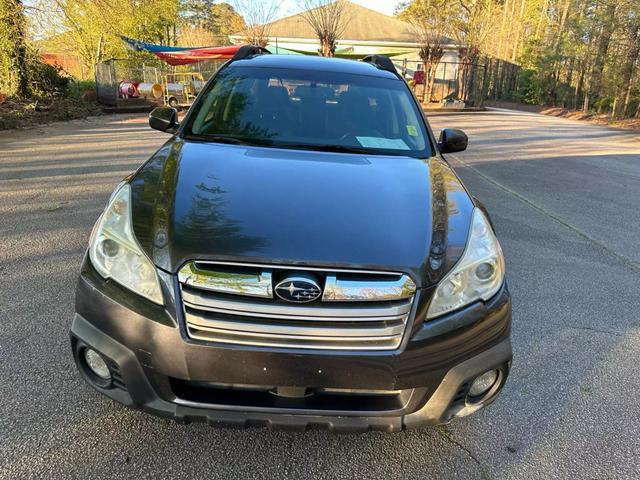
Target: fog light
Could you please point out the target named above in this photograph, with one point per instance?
(96, 364)
(483, 383)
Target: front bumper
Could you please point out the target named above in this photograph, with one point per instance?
(149, 356)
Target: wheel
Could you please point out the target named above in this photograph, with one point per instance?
(173, 102)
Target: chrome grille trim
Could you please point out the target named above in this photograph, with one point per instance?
(251, 285)
(246, 307)
(301, 268)
(272, 329)
(236, 337)
(348, 290)
(345, 323)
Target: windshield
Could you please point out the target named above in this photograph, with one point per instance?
(309, 109)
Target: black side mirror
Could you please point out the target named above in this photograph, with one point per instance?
(452, 140)
(164, 119)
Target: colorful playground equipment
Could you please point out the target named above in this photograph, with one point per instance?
(181, 89)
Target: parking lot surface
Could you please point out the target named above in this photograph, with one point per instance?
(565, 200)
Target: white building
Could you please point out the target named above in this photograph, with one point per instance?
(367, 32)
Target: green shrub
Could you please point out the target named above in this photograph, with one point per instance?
(76, 88)
(529, 88)
(46, 80)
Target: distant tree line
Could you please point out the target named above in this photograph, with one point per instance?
(90, 30)
(580, 54)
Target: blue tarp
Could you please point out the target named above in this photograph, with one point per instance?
(139, 46)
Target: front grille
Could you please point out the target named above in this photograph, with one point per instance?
(208, 394)
(116, 377)
(236, 304)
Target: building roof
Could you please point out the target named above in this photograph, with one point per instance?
(362, 24)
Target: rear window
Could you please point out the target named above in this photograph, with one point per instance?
(308, 109)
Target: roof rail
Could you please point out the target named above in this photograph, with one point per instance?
(247, 51)
(382, 62)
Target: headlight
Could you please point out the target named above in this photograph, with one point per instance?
(115, 253)
(478, 274)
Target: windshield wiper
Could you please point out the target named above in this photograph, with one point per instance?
(228, 139)
(223, 139)
(325, 147)
(320, 147)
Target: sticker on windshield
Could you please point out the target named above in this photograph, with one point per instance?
(412, 130)
(385, 143)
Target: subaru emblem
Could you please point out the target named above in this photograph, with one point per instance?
(298, 289)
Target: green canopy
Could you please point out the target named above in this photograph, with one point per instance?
(273, 48)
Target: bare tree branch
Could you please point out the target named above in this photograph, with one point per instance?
(258, 15)
(429, 20)
(328, 21)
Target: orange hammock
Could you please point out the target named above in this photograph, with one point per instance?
(196, 55)
(182, 55)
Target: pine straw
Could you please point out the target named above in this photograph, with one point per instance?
(24, 113)
(594, 118)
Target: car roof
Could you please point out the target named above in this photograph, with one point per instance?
(320, 64)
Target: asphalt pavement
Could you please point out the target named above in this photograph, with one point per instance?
(565, 199)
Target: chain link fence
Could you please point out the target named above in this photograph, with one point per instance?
(454, 84)
(112, 74)
(106, 84)
(503, 80)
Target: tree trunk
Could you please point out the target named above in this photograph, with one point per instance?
(462, 75)
(543, 14)
(627, 72)
(502, 35)
(608, 26)
(627, 100)
(576, 92)
(496, 72)
(99, 49)
(15, 25)
(569, 78)
(425, 79)
(433, 68)
(554, 73)
(327, 49)
(519, 32)
(586, 104)
(511, 32)
(464, 72)
(563, 22)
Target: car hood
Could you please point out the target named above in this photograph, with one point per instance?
(195, 200)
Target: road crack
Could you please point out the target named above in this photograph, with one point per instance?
(633, 265)
(597, 330)
(444, 432)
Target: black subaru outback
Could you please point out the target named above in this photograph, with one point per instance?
(298, 254)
